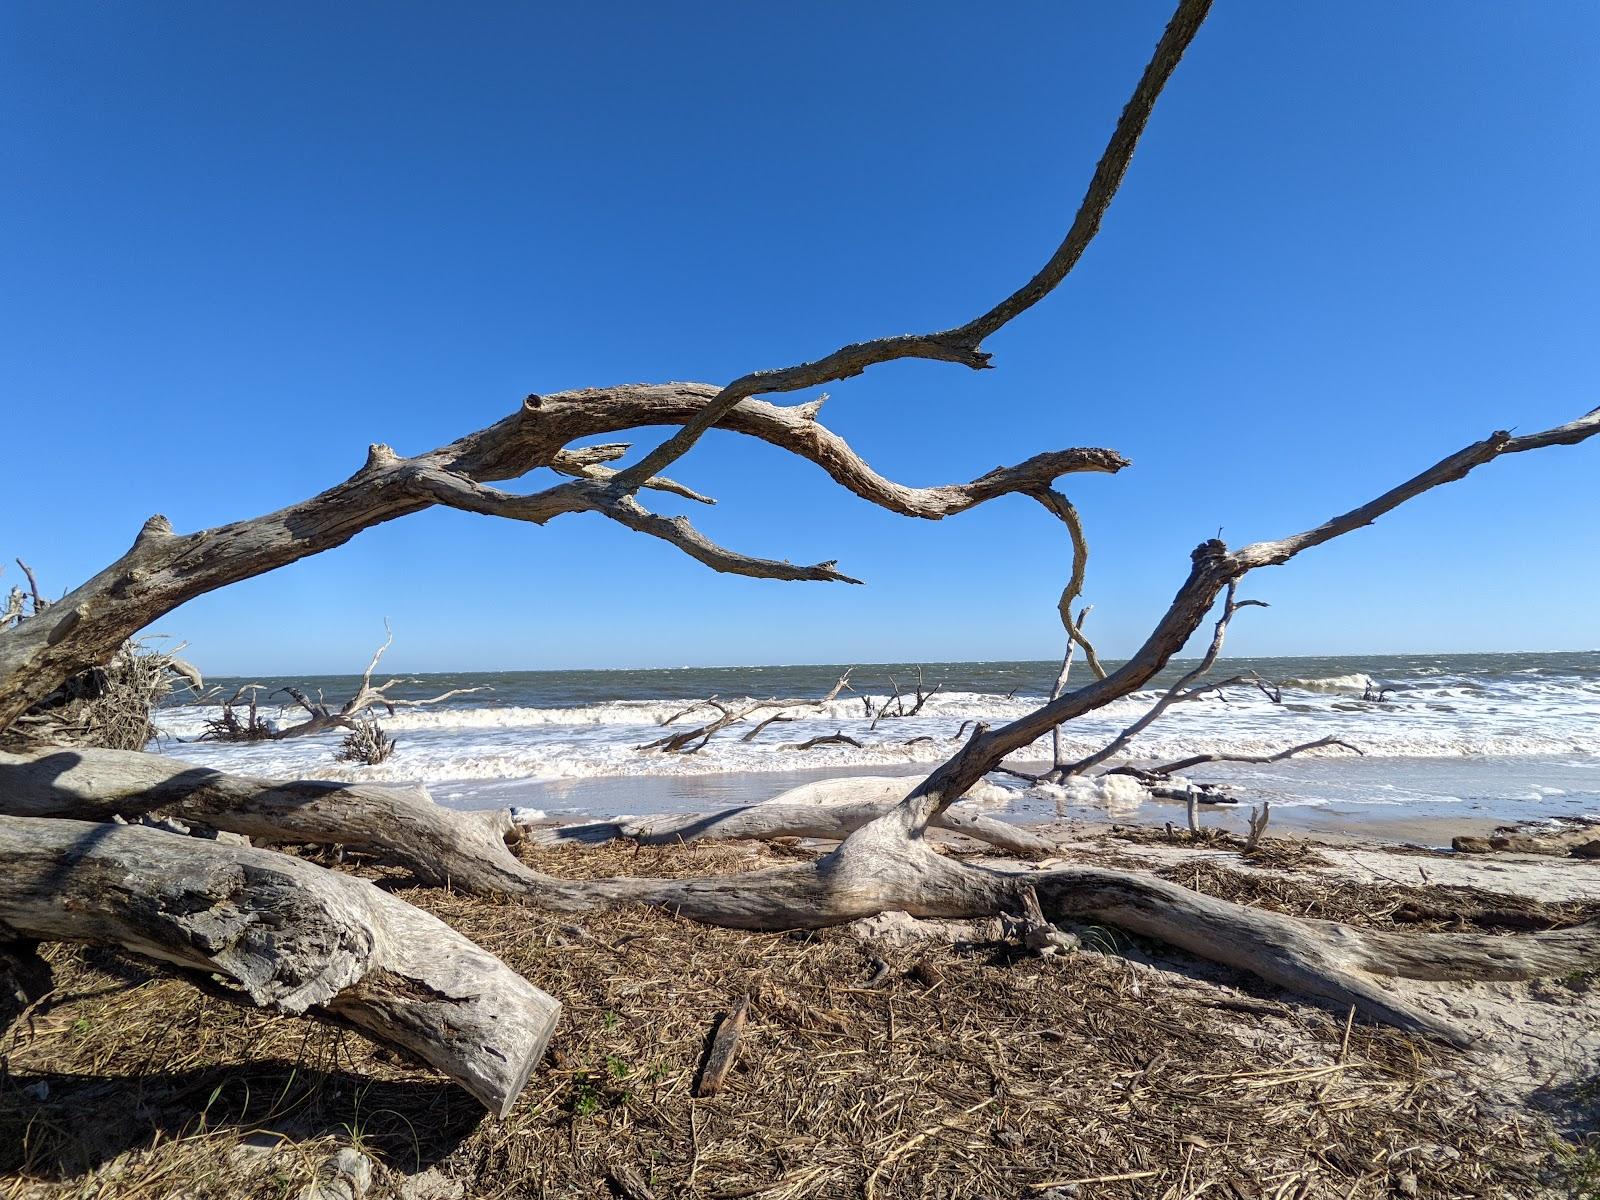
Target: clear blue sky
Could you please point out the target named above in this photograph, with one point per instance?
(239, 242)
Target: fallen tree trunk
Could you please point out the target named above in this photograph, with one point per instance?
(879, 870)
(829, 809)
(404, 825)
(287, 934)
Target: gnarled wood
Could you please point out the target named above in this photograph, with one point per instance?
(162, 569)
(287, 934)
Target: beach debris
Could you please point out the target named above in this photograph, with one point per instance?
(722, 1051)
(1036, 934)
(1258, 826)
(108, 706)
(880, 972)
(295, 936)
(837, 738)
(344, 1175)
(626, 1183)
(284, 934)
(1575, 836)
(691, 740)
(365, 741)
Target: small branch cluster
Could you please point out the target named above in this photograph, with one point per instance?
(365, 740)
(110, 706)
(366, 743)
(693, 740)
(881, 711)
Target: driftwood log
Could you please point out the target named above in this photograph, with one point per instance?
(287, 935)
(400, 824)
(828, 810)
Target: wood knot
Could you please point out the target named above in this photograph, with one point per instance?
(380, 454)
(156, 527)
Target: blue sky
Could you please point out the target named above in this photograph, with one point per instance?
(242, 241)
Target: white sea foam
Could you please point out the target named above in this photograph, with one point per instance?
(1357, 683)
(1443, 719)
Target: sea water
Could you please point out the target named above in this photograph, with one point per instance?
(1510, 735)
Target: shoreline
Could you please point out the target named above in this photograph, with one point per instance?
(1424, 824)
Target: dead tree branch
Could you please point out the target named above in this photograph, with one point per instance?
(366, 742)
(962, 344)
(692, 740)
(1183, 690)
(1195, 760)
(162, 568)
(1214, 570)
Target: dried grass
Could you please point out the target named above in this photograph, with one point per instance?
(969, 1072)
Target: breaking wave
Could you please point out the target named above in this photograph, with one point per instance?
(1438, 708)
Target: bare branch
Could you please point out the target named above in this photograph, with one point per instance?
(583, 463)
(693, 740)
(39, 602)
(1214, 570)
(962, 344)
(1064, 510)
(1179, 692)
(13, 612)
(1447, 470)
(1195, 760)
(837, 738)
(86, 626)
(456, 491)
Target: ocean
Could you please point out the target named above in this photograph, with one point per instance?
(1515, 736)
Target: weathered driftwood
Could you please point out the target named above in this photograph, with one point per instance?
(1162, 770)
(287, 934)
(401, 824)
(828, 809)
(354, 713)
(690, 740)
(723, 1050)
(881, 866)
(886, 863)
(879, 869)
(1580, 840)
